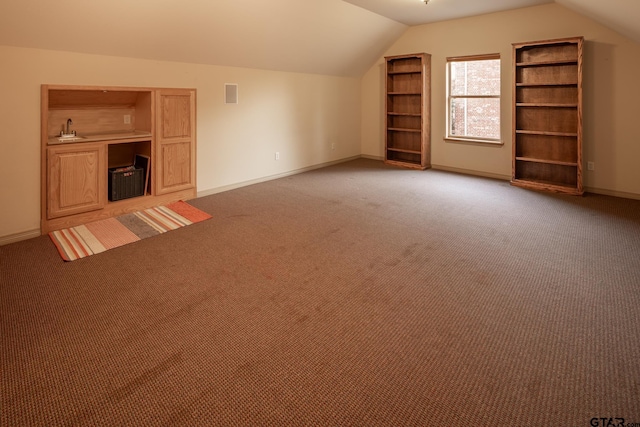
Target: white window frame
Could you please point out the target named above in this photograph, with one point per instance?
(450, 98)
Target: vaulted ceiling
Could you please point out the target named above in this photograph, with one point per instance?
(415, 12)
(333, 37)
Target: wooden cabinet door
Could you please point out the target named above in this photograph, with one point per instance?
(77, 177)
(175, 140)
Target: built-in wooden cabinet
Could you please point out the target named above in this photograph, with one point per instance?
(88, 130)
(407, 110)
(175, 143)
(76, 181)
(547, 115)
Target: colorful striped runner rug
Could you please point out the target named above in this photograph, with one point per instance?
(96, 237)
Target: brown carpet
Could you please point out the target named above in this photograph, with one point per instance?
(354, 295)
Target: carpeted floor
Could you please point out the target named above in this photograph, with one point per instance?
(354, 295)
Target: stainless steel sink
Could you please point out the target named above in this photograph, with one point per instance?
(70, 138)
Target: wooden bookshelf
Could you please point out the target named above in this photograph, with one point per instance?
(547, 115)
(407, 109)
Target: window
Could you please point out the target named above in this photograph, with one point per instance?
(473, 98)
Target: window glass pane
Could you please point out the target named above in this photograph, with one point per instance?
(475, 77)
(476, 117)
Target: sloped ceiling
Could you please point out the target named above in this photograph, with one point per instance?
(322, 37)
(622, 16)
(332, 37)
(415, 12)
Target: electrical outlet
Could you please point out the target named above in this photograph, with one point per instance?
(333, 145)
(127, 119)
(591, 166)
(277, 155)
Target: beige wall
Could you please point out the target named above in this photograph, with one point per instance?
(298, 115)
(610, 92)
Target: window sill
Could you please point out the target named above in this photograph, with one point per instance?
(474, 141)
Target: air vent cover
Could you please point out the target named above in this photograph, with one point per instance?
(230, 93)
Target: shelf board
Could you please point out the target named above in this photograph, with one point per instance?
(405, 130)
(539, 184)
(130, 200)
(545, 182)
(391, 113)
(64, 98)
(404, 93)
(405, 72)
(546, 161)
(543, 63)
(546, 104)
(546, 84)
(539, 132)
(407, 164)
(402, 150)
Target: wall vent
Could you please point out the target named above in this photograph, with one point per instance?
(230, 93)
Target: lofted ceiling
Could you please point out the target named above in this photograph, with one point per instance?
(309, 36)
(620, 15)
(333, 37)
(415, 12)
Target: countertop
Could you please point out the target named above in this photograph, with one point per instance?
(55, 140)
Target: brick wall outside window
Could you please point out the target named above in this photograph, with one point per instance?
(480, 115)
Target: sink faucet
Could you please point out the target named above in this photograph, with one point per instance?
(69, 123)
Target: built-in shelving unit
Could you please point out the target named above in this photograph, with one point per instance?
(547, 115)
(86, 131)
(407, 109)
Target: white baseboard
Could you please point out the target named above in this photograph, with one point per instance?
(13, 238)
(17, 237)
(455, 170)
(613, 193)
(594, 190)
(472, 172)
(272, 177)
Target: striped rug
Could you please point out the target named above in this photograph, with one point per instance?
(96, 237)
